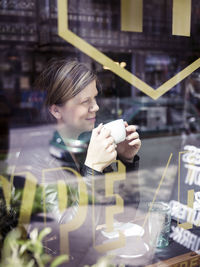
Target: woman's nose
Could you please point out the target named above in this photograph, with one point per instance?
(94, 107)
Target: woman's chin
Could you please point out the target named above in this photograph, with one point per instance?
(90, 127)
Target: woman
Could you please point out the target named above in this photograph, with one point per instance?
(71, 99)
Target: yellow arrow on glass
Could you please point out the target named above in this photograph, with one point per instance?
(98, 56)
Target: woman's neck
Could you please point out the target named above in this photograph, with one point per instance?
(66, 134)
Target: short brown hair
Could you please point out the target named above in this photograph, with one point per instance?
(62, 79)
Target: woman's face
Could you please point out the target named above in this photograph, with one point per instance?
(78, 114)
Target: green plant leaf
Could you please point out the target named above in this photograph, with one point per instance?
(31, 263)
(43, 233)
(36, 247)
(34, 234)
(10, 242)
(46, 258)
(23, 248)
(58, 260)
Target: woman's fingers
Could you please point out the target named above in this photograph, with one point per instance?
(105, 132)
(104, 137)
(100, 130)
(113, 154)
(96, 131)
(101, 149)
(109, 141)
(133, 135)
(111, 148)
(131, 128)
(125, 123)
(135, 142)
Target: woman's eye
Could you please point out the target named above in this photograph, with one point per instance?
(85, 101)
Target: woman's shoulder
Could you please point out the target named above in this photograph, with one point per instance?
(43, 159)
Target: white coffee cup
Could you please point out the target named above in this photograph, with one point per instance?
(118, 130)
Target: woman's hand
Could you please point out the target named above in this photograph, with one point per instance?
(127, 149)
(102, 149)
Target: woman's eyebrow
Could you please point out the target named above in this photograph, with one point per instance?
(89, 97)
(85, 98)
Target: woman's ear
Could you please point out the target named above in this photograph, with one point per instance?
(55, 111)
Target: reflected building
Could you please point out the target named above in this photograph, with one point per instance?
(29, 38)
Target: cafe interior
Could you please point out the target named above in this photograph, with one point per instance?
(146, 55)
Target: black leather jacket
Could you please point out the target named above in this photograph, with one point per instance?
(48, 164)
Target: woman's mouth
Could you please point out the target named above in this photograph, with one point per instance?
(91, 119)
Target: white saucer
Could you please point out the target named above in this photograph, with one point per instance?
(135, 247)
(128, 229)
(132, 256)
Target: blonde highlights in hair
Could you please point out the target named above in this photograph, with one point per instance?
(63, 79)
